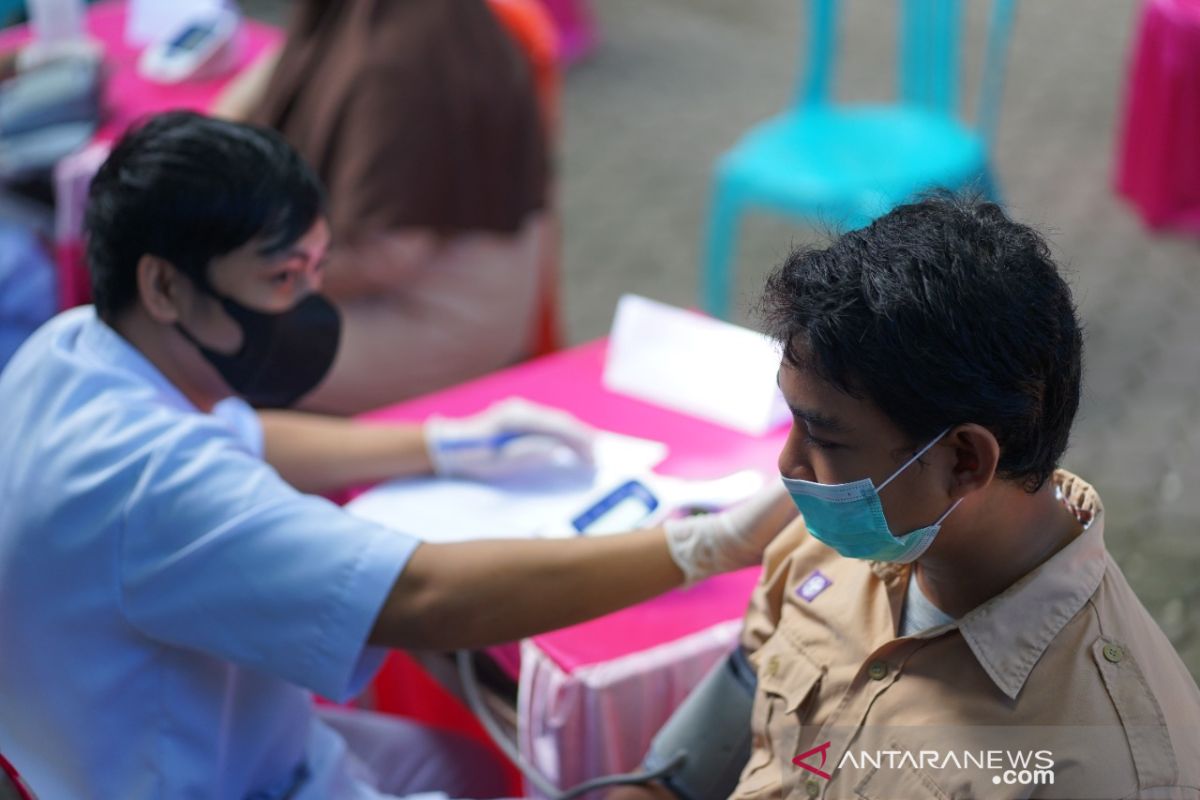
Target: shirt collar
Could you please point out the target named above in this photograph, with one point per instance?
(1005, 634)
(102, 344)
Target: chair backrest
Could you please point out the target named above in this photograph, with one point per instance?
(929, 56)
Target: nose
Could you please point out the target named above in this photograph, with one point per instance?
(793, 459)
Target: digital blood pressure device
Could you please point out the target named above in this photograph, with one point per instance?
(648, 499)
(624, 508)
(205, 46)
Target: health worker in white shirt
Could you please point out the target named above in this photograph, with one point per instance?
(171, 593)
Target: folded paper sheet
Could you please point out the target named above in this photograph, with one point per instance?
(695, 365)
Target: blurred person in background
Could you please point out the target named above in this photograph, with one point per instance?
(421, 119)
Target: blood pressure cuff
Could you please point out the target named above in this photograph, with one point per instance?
(712, 728)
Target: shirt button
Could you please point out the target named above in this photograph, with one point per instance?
(1114, 653)
(812, 788)
(878, 670)
(772, 666)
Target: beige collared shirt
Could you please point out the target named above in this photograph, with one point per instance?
(1061, 686)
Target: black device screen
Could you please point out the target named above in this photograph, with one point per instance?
(191, 37)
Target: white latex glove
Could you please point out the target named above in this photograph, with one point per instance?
(709, 544)
(509, 438)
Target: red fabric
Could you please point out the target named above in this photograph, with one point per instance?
(1158, 160)
(74, 283)
(405, 689)
(15, 779)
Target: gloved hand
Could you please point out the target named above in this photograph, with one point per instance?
(510, 437)
(709, 544)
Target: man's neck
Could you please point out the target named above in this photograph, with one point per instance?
(1005, 539)
(164, 349)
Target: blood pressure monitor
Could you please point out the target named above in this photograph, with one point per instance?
(622, 509)
(203, 47)
(647, 499)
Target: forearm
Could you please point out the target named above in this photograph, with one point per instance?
(320, 454)
(474, 594)
(245, 92)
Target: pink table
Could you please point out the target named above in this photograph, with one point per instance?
(128, 98)
(1158, 167)
(592, 696)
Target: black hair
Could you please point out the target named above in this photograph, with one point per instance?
(942, 312)
(188, 189)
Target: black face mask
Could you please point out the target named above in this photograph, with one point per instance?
(283, 356)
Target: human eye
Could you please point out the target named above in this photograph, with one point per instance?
(817, 442)
(282, 278)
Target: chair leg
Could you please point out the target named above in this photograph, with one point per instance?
(718, 265)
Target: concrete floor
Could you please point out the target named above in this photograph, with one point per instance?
(676, 81)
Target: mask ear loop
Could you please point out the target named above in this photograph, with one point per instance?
(908, 463)
(953, 506)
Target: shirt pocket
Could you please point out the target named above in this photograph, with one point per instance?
(787, 681)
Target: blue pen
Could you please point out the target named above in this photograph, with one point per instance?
(489, 442)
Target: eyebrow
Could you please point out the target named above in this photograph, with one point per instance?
(283, 255)
(815, 419)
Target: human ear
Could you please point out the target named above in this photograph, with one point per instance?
(159, 288)
(976, 454)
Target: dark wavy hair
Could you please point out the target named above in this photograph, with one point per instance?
(188, 189)
(941, 312)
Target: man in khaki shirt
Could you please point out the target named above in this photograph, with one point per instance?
(944, 619)
(1060, 686)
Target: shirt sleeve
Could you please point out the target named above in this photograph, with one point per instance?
(220, 555)
(243, 421)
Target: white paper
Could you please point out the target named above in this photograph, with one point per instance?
(695, 365)
(154, 20)
(447, 510)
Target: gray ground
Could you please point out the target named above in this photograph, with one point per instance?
(676, 81)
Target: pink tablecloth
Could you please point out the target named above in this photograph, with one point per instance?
(592, 696)
(1158, 167)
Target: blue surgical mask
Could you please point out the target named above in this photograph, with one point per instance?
(849, 517)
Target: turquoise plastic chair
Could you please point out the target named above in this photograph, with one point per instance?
(844, 165)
